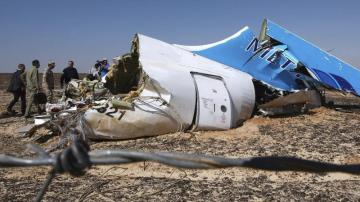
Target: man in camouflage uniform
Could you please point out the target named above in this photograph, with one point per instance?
(32, 86)
(48, 81)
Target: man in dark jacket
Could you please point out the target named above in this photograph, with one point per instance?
(17, 88)
(69, 73)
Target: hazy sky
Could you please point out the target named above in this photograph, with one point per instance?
(87, 30)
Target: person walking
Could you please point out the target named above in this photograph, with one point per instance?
(32, 86)
(48, 82)
(17, 88)
(69, 73)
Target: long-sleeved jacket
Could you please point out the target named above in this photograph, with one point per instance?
(32, 79)
(68, 74)
(16, 83)
(48, 79)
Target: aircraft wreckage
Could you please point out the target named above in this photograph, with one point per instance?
(161, 88)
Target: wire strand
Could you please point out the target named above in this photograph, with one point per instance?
(192, 161)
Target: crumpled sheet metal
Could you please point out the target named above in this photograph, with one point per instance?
(323, 66)
(84, 89)
(150, 116)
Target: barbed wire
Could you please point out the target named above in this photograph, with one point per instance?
(191, 161)
(77, 158)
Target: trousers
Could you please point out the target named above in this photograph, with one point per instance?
(30, 103)
(18, 94)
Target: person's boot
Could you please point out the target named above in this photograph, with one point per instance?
(38, 110)
(10, 112)
(27, 116)
(23, 110)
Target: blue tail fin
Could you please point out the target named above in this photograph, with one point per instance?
(243, 51)
(232, 51)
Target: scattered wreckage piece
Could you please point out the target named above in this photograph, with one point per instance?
(61, 120)
(32, 131)
(26, 130)
(293, 103)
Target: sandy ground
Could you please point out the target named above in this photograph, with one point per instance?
(322, 134)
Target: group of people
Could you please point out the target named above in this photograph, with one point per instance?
(27, 82)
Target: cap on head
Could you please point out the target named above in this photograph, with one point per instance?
(51, 65)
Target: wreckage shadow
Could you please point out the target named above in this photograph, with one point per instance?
(291, 115)
(93, 141)
(6, 115)
(344, 108)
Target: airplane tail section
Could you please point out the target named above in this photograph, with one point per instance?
(233, 51)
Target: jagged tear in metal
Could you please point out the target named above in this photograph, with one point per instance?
(161, 88)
